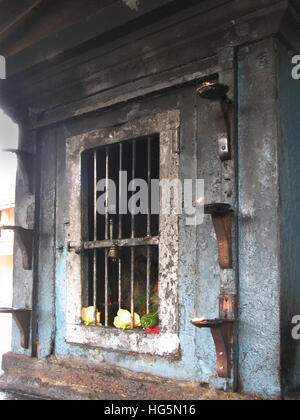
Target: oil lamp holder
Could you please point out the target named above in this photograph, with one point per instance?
(22, 318)
(222, 220)
(222, 333)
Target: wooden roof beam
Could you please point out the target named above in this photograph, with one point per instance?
(14, 15)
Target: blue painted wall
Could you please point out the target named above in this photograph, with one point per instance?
(259, 239)
(288, 106)
(187, 366)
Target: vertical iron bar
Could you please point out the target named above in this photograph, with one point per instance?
(106, 285)
(148, 225)
(148, 278)
(120, 169)
(111, 229)
(107, 192)
(106, 235)
(132, 287)
(149, 188)
(120, 233)
(95, 239)
(132, 236)
(133, 177)
(120, 283)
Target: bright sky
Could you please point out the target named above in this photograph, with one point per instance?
(9, 134)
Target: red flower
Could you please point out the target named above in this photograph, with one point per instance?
(154, 330)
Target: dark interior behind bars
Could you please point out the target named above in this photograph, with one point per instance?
(112, 279)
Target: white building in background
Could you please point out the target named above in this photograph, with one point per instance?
(8, 165)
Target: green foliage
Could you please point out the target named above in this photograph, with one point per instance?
(150, 320)
(142, 302)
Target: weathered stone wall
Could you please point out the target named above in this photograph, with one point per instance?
(288, 105)
(259, 223)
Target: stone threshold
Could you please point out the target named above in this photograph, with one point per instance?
(73, 379)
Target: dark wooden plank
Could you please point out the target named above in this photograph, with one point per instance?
(128, 92)
(13, 11)
(154, 50)
(145, 42)
(51, 18)
(105, 20)
(95, 89)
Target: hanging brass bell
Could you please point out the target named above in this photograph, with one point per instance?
(114, 253)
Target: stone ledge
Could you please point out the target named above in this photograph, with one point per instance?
(85, 380)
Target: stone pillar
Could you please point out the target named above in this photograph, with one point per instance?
(259, 221)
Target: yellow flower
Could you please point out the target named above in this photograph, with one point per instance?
(123, 320)
(88, 316)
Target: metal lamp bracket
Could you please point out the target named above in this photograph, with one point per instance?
(217, 94)
(24, 238)
(222, 333)
(22, 318)
(222, 220)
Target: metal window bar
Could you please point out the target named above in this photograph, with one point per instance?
(95, 238)
(106, 233)
(120, 243)
(132, 237)
(120, 234)
(148, 226)
(132, 242)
